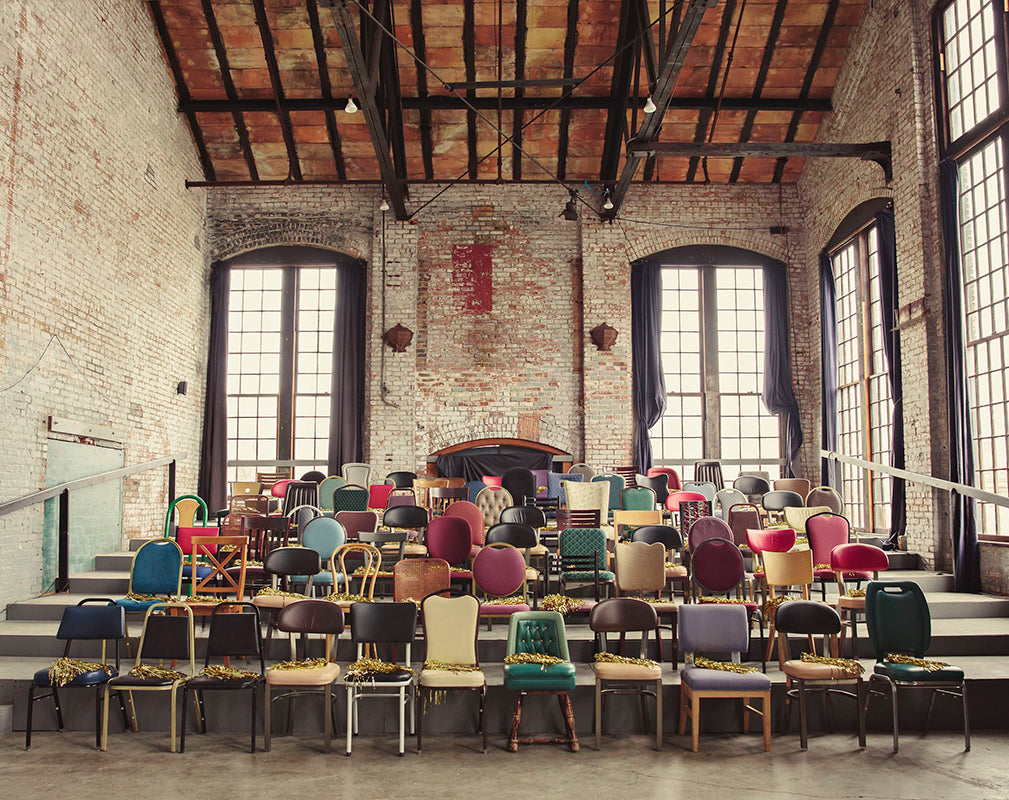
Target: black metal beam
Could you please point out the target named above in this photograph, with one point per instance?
(877, 152)
(518, 114)
(278, 88)
(679, 43)
(469, 60)
(620, 90)
(388, 71)
(420, 51)
(366, 95)
(570, 43)
(335, 143)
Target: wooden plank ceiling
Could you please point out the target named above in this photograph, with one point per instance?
(264, 85)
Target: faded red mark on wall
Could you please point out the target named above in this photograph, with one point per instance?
(471, 277)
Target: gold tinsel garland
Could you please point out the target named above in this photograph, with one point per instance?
(269, 591)
(357, 573)
(364, 667)
(924, 663)
(223, 673)
(514, 600)
(560, 602)
(613, 658)
(720, 600)
(855, 593)
(542, 659)
(307, 663)
(206, 599)
(449, 667)
(724, 666)
(337, 597)
(849, 666)
(161, 598)
(821, 566)
(64, 670)
(150, 671)
(772, 603)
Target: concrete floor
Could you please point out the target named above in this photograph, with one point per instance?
(732, 766)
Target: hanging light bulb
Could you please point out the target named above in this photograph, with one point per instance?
(384, 205)
(607, 203)
(351, 107)
(649, 105)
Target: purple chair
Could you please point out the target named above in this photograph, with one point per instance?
(499, 570)
(450, 538)
(717, 569)
(707, 528)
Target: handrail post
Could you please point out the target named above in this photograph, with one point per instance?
(171, 480)
(63, 554)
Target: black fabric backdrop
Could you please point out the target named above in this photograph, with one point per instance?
(473, 464)
(828, 367)
(212, 483)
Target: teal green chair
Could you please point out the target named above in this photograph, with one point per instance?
(640, 498)
(540, 632)
(899, 623)
(584, 560)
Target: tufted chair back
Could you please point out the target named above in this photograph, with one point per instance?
(538, 632)
(492, 500)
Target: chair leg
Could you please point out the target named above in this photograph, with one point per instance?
(266, 718)
(402, 720)
(803, 723)
(569, 720)
(966, 719)
(350, 717)
(893, 699)
(483, 716)
(28, 728)
(419, 710)
(682, 721)
(513, 741)
(172, 726)
(599, 712)
(98, 714)
(185, 705)
(105, 723)
(255, 697)
(658, 714)
(862, 705)
(695, 722)
(765, 708)
(327, 718)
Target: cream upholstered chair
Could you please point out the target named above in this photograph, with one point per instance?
(492, 500)
(590, 497)
(641, 570)
(796, 517)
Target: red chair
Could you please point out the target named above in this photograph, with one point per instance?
(279, 489)
(468, 511)
(184, 539)
(675, 498)
(449, 538)
(491, 480)
(860, 562)
(674, 484)
(825, 532)
(499, 571)
(774, 540)
(378, 495)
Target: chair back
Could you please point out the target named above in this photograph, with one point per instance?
(520, 483)
(709, 472)
(286, 561)
(268, 479)
(858, 557)
(617, 485)
(474, 488)
(357, 473)
(357, 522)
(239, 488)
(537, 632)
(773, 540)
(406, 517)
(351, 498)
(449, 538)
(514, 533)
(525, 515)
(797, 517)
(324, 535)
(416, 578)
(594, 495)
(402, 479)
(577, 544)
(265, 533)
(157, 568)
(278, 489)
(779, 500)
(168, 637)
(825, 531)
(555, 484)
(641, 567)
(311, 616)
(675, 498)
(578, 518)
(450, 628)
(742, 517)
(383, 623)
(421, 486)
(184, 537)
(371, 566)
(794, 568)
(88, 620)
(491, 480)
(713, 628)
(898, 618)
(300, 493)
(441, 497)
(673, 483)
(726, 499)
(753, 486)
(583, 469)
(326, 489)
(622, 520)
(641, 498)
(492, 500)
(235, 633)
(716, 566)
(667, 535)
(473, 516)
(808, 618)
(798, 485)
(658, 484)
(705, 488)
(378, 494)
(225, 558)
(186, 507)
(401, 497)
(499, 570)
(825, 496)
(707, 528)
(690, 512)
(622, 615)
(313, 475)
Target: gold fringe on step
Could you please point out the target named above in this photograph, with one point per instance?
(307, 663)
(64, 670)
(514, 600)
(849, 666)
(364, 667)
(560, 602)
(855, 593)
(613, 658)
(151, 671)
(542, 659)
(161, 598)
(338, 597)
(223, 673)
(724, 666)
(924, 663)
(269, 591)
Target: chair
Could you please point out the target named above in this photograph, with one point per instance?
(555, 485)
(190, 508)
(584, 559)
(825, 496)
(617, 484)
(402, 479)
(86, 621)
(623, 615)
(578, 518)
(776, 502)
(299, 493)
(672, 482)
(441, 497)
(715, 628)
(169, 637)
(900, 624)
(641, 570)
(368, 571)
(808, 619)
(583, 469)
(499, 573)
(268, 479)
(264, 534)
(625, 522)
(378, 494)
(244, 488)
(675, 498)
(323, 535)
(640, 498)
(241, 506)
(449, 538)
(658, 484)
(283, 565)
(474, 517)
(743, 517)
(491, 480)
(796, 517)
(421, 486)
(452, 662)
(401, 522)
(705, 488)
(357, 473)
(357, 522)
(709, 471)
(492, 500)
(775, 540)
(305, 617)
(520, 484)
(539, 632)
(798, 485)
(401, 497)
(191, 572)
(824, 532)
(793, 568)
(474, 488)
(313, 475)
(707, 528)
(374, 624)
(858, 562)
(752, 486)
(231, 634)
(627, 473)
(225, 559)
(326, 489)
(716, 568)
(523, 537)
(595, 495)
(351, 498)
(726, 499)
(415, 578)
(155, 576)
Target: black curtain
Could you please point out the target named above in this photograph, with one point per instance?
(886, 240)
(212, 484)
(778, 395)
(828, 367)
(966, 557)
(347, 392)
(474, 463)
(647, 380)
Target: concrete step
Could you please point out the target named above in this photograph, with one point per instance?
(113, 562)
(105, 582)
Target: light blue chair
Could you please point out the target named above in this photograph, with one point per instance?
(617, 485)
(323, 535)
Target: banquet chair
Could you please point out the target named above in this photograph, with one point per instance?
(857, 562)
(673, 483)
(617, 484)
(402, 479)
(155, 576)
(499, 574)
(824, 532)
(583, 469)
(520, 483)
(705, 488)
(798, 485)
(785, 570)
(640, 498)
(825, 496)
(795, 517)
(641, 571)
(742, 517)
(658, 484)
(449, 538)
(753, 486)
(774, 503)
(351, 498)
(357, 522)
(523, 537)
(555, 485)
(441, 497)
(596, 495)
(671, 540)
(492, 500)
(725, 499)
(415, 578)
(326, 489)
(405, 536)
(474, 518)
(584, 560)
(378, 495)
(282, 565)
(356, 473)
(709, 471)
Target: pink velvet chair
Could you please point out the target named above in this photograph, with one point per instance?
(499, 571)
(474, 517)
(825, 532)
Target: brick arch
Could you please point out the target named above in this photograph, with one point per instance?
(500, 428)
(263, 233)
(748, 243)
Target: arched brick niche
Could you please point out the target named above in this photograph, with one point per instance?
(564, 464)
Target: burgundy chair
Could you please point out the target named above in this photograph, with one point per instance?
(499, 571)
(468, 511)
(863, 562)
(824, 534)
(707, 528)
(717, 569)
(742, 517)
(450, 538)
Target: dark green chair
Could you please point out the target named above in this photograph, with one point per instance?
(540, 632)
(899, 623)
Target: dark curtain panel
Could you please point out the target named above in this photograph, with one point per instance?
(648, 382)
(347, 404)
(828, 366)
(213, 478)
(473, 464)
(967, 563)
(778, 395)
(887, 245)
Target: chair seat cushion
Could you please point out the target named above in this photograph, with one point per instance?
(318, 676)
(539, 677)
(410, 549)
(679, 571)
(856, 603)
(532, 574)
(462, 574)
(614, 671)
(909, 672)
(201, 571)
(502, 609)
(666, 607)
(134, 682)
(585, 575)
(201, 682)
(811, 671)
(324, 578)
(136, 606)
(539, 550)
(398, 675)
(716, 680)
(445, 679)
(274, 600)
(92, 678)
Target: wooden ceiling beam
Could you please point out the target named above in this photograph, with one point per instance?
(273, 68)
(318, 42)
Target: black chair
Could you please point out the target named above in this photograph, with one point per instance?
(313, 477)
(86, 621)
(281, 566)
(520, 483)
(402, 479)
(526, 515)
(399, 520)
(382, 623)
(753, 486)
(658, 484)
(232, 633)
(666, 534)
(709, 472)
(776, 502)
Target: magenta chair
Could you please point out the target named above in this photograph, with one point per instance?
(826, 532)
(449, 538)
(774, 540)
(499, 571)
(857, 562)
(674, 477)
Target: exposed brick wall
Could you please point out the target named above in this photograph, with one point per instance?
(100, 245)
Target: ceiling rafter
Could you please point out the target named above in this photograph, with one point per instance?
(322, 62)
(620, 90)
(294, 167)
(521, 31)
(420, 49)
(469, 61)
(570, 43)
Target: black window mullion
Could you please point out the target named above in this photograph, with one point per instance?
(285, 399)
(711, 406)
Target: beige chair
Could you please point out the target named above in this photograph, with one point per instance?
(798, 485)
(357, 474)
(590, 497)
(641, 570)
(825, 496)
(634, 519)
(795, 518)
(492, 500)
(422, 487)
(794, 568)
(239, 488)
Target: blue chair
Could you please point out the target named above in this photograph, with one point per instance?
(717, 628)
(156, 570)
(555, 487)
(323, 535)
(90, 622)
(474, 488)
(617, 485)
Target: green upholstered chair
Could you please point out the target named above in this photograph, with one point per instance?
(584, 559)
